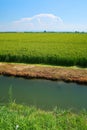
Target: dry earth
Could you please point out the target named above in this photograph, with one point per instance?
(66, 74)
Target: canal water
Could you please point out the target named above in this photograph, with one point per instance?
(44, 94)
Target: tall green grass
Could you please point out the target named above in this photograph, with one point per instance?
(19, 117)
(69, 49)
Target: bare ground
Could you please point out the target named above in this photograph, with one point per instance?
(66, 74)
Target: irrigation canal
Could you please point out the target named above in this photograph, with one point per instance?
(44, 94)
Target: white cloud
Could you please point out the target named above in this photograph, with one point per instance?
(40, 16)
(41, 22)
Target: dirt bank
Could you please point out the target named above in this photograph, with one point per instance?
(45, 72)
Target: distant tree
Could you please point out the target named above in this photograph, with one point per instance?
(76, 31)
(44, 31)
(82, 32)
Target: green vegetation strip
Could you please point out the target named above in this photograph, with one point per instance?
(65, 49)
(19, 117)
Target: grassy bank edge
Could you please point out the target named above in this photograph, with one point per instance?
(19, 117)
(49, 72)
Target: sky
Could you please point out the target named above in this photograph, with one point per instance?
(40, 15)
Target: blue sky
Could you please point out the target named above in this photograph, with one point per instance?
(39, 15)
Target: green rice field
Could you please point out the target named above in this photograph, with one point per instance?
(65, 49)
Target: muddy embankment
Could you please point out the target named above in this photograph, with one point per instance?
(44, 72)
